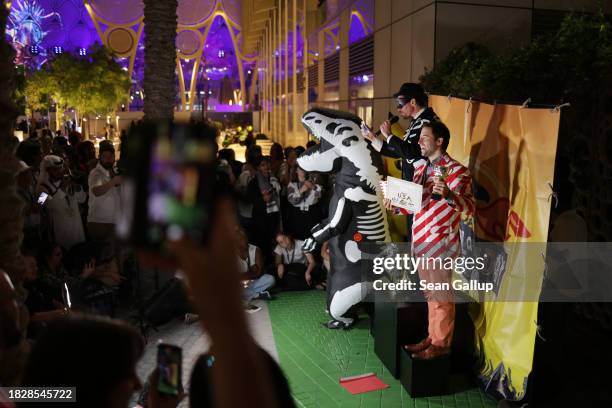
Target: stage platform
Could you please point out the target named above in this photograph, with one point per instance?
(313, 358)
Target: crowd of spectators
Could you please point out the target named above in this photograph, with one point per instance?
(278, 205)
(73, 274)
(69, 212)
(72, 196)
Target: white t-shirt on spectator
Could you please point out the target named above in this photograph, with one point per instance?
(245, 264)
(107, 207)
(295, 255)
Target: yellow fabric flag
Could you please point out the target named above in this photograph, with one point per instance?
(510, 152)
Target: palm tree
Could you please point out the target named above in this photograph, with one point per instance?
(7, 84)
(10, 205)
(160, 59)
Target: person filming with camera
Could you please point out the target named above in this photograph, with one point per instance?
(104, 195)
(60, 197)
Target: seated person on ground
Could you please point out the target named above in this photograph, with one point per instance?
(91, 282)
(39, 298)
(295, 268)
(250, 261)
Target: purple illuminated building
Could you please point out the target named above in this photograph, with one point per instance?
(39, 29)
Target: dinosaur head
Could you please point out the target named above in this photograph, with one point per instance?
(342, 148)
(336, 131)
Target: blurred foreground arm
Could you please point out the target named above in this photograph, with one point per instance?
(239, 379)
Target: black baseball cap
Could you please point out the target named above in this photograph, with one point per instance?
(410, 90)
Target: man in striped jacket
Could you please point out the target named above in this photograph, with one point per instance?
(435, 232)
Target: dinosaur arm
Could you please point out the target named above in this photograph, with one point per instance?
(336, 225)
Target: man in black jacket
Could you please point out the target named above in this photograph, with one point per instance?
(411, 104)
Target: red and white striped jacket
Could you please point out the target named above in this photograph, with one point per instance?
(435, 229)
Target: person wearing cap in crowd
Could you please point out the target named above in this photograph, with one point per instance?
(61, 203)
(31, 209)
(104, 195)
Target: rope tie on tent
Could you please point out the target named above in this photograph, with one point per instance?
(526, 103)
(553, 195)
(469, 105)
(559, 107)
(450, 97)
(539, 330)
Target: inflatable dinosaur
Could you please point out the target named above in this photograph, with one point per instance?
(356, 213)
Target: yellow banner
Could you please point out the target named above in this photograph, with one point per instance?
(510, 152)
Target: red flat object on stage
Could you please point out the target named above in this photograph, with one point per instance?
(359, 384)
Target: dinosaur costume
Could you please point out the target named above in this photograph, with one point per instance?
(356, 213)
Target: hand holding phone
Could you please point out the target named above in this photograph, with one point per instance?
(366, 131)
(169, 369)
(42, 198)
(169, 184)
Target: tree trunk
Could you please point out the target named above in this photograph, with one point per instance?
(11, 219)
(58, 117)
(85, 127)
(159, 83)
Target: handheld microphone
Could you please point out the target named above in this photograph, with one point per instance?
(392, 120)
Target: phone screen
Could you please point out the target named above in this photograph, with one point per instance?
(169, 184)
(42, 198)
(180, 170)
(169, 368)
(365, 127)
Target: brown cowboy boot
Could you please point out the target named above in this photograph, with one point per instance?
(432, 352)
(415, 348)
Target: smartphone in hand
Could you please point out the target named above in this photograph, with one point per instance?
(365, 129)
(169, 184)
(42, 198)
(169, 369)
